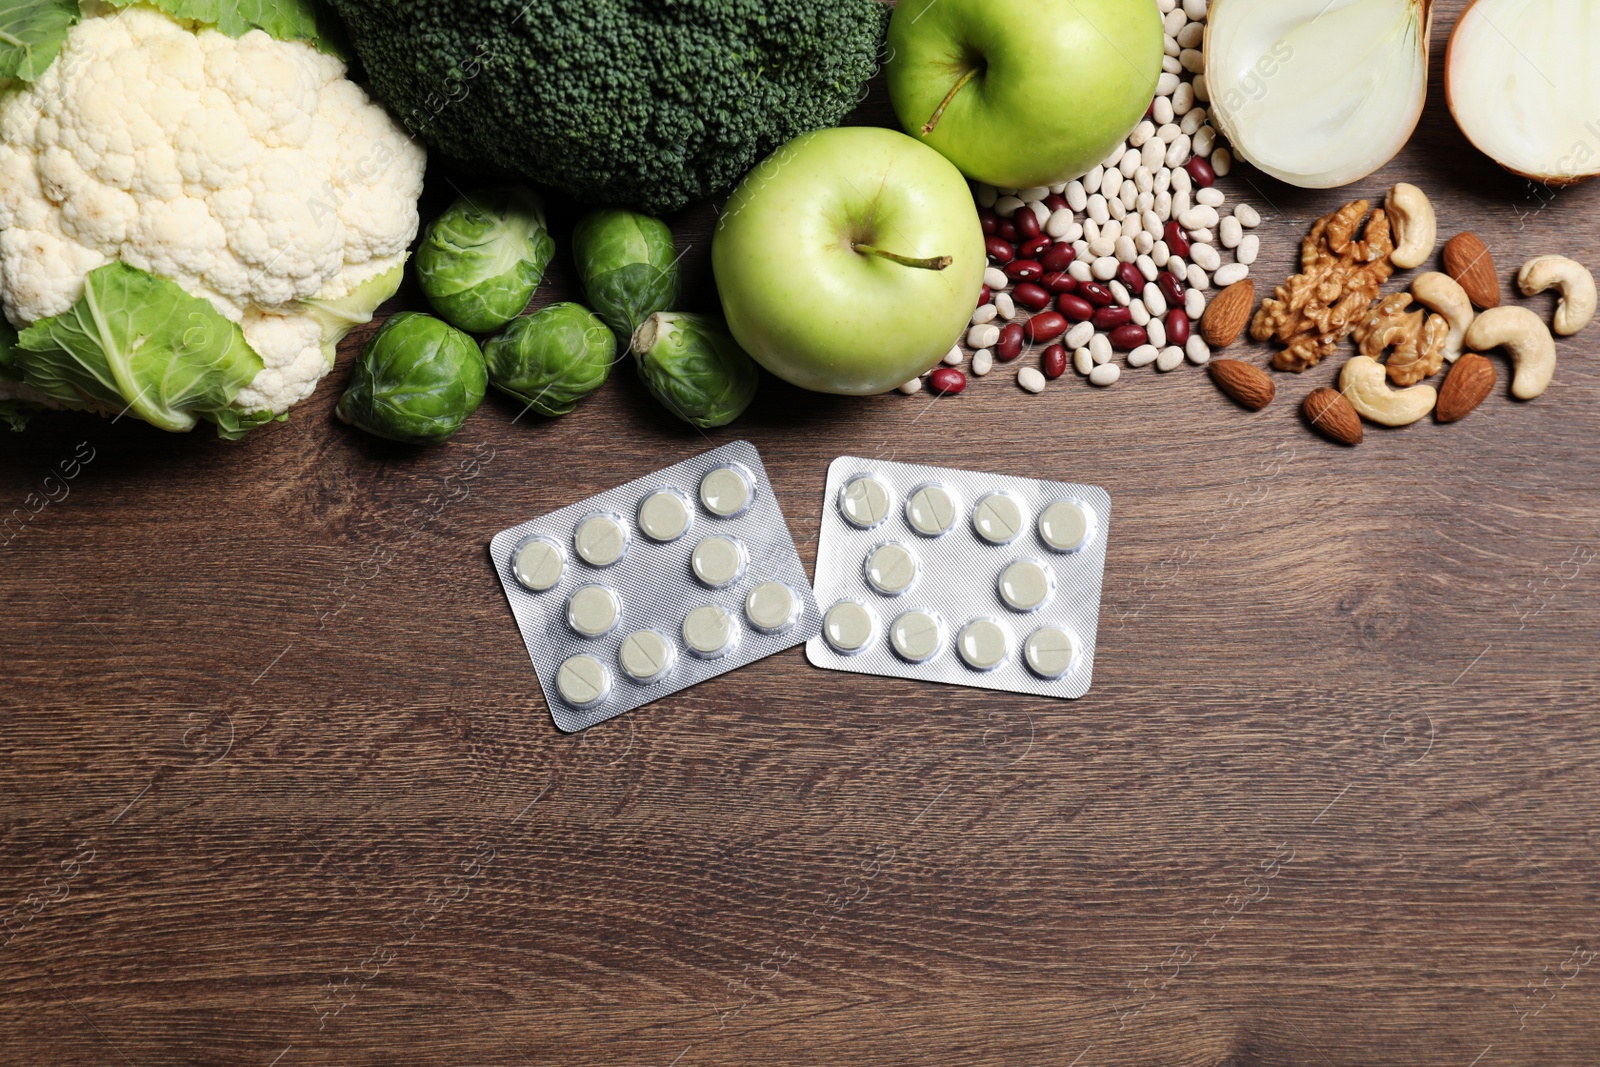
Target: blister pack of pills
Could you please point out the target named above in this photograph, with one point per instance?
(953, 576)
(656, 585)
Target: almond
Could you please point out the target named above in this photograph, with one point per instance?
(1467, 260)
(1464, 388)
(1228, 313)
(1245, 382)
(1331, 414)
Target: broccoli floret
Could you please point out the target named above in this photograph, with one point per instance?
(648, 103)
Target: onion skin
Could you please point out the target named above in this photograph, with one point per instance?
(1562, 181)
(1225, 122)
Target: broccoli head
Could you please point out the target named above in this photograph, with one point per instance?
(648, 103)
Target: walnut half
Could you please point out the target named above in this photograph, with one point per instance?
(1418, 339)
(1340, 277)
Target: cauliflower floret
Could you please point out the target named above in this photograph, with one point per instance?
(251, 172)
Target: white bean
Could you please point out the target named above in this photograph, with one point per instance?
(1205, 256)
(1104, 269)
(1181, 181)
(1006, 306)
(1031, 379)
(1144, 202)
(1162, 180)
(1171, 65)
(1194, 304)
(1193, 121)
(1128, 163)
(1249, 249)
(1204, 236)
(1111, 230)
(954, 357)
(912, 387)
(1116, 155)
(1211, 196)
(1007, 206)
(1126, 250)
(1205, 139)
(1192, 35)
(1059, 188)
(1178, 151)
(1195, 9)
(1160, 256)
(1155, 299)
(1100, 349)
(1121, 293)
(1130, 194)
(1157, 332)
(1118, 212)
(1182, 99)
(1168, 133)
(984, 314)
(1169, 359)
(1178, 266)
(1079, 269)
(1197, 276)
(1162, 112)
(1163, 204)
(1144, 180)
(1101, 247)
(1193, 60)
(1153, 154)
(1140, 313)
(1233, 272)
(1181, 204)
(1097, 209)
(1111, 183)
(1074, 232)
(1170, 45)
(984, 336)
(1151, 221)
(1175, 20)
(1058, 223)
(1222, 162)
(1232, 232)
(1248, 216)
(1148, 268)
(1091, 232)
(1202, 89)
(1080, 248)
(995, 279)
(1040, 211)
(1141, 133)
(1105, 374)
(1082, 362)
(1197, 350)
(982, 362)
(1199, 217)
(1142, 356)
(1144, 242)
(1079, 335)
(1036, 192)
(1077, 196)
(1091, 181)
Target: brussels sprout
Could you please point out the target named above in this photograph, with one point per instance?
(695, 368)
(552, 359)
(480, 261)
(416, 381)
(628, 266)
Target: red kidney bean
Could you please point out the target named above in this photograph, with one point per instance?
(984, 296)
(1031, 296)
(1059, 257)
(1045, 326)
(999, 251)
(1026, 222)
(946, 381)
(1023, 270)
(1127, 338)
(1096, 293)
(1201, 171)
(1056, 202)
(1034, 247)
(1009, 347)
(990, 221)
(1008, 230)
(1059, 282)
(1053, 362)
(1112, 317)
(1177, 241)
(1171, 288)
(1129, 275)
(1177, 327)
(1075, 308)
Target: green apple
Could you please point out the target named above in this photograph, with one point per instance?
(850, 260)
(1022, 93)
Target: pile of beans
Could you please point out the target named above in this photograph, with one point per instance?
(1112, 269)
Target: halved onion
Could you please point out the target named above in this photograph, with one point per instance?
(1318, 93)
(1522, 81)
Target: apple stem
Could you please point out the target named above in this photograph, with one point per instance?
(927, 127)
(932, 263)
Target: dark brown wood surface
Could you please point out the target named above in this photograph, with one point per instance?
(277, 786)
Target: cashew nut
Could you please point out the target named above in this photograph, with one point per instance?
(1443, 294)
(1575, 282)
(1416, 228)
(1363, 383)
(1526, 338)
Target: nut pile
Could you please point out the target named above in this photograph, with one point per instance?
(1337, 296)
(1113, 268)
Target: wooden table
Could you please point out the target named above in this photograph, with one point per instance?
(278, 787)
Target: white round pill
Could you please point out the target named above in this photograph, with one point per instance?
(916, 636)
(848, 627)
(997, 518)
(864, 501)
(891, 569)
(718, 561)
(592, 610)
(726, 491)
(1026, 585)
(708, 631)
(583, 681)
(538, 564)
(931, 510)
(982, 644)
(645, 656)
(664, 515)
(1065, 526)
(601, 540)
(771, 607)
(1050, 652)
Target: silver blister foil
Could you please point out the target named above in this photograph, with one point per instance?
(653, 586)
(1005, 596)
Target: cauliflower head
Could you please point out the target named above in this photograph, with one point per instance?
(248, 171)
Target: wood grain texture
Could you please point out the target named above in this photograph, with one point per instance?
(277, 786)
